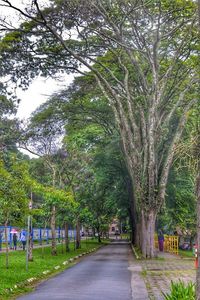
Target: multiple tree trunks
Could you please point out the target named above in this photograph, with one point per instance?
(144, 233)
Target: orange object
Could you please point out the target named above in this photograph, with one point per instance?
(196, 263)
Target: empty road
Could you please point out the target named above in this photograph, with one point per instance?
(103, 275)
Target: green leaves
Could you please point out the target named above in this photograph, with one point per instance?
(181, 291)
(180, 208)
(13, 195)
(55, 196)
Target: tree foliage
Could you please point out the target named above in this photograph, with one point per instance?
(143, 56)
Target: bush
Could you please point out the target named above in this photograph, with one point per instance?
(180, 291)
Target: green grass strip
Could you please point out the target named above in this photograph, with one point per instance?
(186, 253)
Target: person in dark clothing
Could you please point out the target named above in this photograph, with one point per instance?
(161, 240)
(15, 241)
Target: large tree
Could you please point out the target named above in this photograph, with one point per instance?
(42, 138)
(152, 45)
(90, 127)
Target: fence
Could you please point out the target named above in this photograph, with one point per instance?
(38, 234)
(170, 243)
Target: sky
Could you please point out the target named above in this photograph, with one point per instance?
(41, 88)
(37, 93)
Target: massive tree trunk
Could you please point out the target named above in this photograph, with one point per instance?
(198, 197)
(198, 236)
(148, 220)
(53, 231)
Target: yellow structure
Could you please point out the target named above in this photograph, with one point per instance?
(170, 243)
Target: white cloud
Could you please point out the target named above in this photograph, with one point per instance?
(37, 93)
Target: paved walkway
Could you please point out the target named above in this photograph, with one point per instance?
(112, 273)
(35, 246)
(158, 273)
(104, 275)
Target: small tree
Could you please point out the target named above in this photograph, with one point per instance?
(13, 196)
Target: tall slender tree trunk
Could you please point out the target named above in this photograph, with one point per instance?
(78, 236)
(99, 237)
(53, 231)
(93, 232)
(131, 220)
(30, 249)
(99, 234)
(66, 237)
(62, 241)
(6, 240)
(138, 237)
(53, 218)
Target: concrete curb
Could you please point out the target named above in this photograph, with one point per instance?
(138, 286)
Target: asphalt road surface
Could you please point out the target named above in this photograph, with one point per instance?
(103, 275)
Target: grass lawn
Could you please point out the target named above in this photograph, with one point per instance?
(14, 280)
(186, 253)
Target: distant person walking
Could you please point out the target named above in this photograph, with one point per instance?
(23, 240)
(15, 241)
(161, 240)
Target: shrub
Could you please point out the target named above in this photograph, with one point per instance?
(180, 291)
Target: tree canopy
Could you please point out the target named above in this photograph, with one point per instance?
(143, 57)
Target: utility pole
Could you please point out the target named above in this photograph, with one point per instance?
(29, 255)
